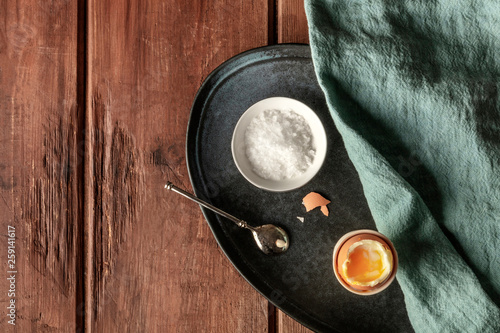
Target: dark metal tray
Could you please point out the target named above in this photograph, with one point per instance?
(301, 281)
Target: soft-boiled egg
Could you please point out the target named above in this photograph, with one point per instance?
(368, 263)
(365, 262)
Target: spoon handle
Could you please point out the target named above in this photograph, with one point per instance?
(239, 223)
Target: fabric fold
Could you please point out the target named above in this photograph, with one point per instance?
(412, 87)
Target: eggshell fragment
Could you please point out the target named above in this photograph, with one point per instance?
(314, 200)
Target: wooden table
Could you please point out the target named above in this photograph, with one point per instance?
(95, 101)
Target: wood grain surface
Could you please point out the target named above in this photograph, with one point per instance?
(95, 102)
(40, 166)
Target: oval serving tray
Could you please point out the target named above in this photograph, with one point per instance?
(300, 281)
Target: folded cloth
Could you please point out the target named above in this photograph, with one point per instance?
(413, 88)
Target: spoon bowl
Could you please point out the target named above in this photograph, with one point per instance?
(270, 238)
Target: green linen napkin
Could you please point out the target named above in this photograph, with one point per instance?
(413, 87)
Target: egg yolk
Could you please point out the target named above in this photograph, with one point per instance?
(364, 265)
(367, 264)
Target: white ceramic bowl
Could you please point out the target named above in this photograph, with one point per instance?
(238, 143)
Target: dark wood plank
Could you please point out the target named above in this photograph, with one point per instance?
(41, 166)
(291, 25)
(285, 324)
(156, 266)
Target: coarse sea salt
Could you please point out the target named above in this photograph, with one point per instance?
(279, 144)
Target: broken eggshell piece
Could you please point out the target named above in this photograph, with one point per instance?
(314, 200)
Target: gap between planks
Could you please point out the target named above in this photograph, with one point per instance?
(89, 237)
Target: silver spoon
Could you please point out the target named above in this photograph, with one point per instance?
(269, 238)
